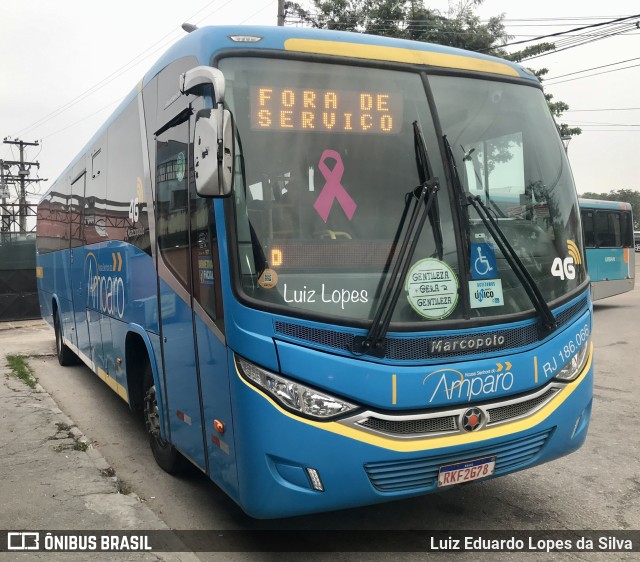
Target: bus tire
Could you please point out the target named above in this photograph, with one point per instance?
(165, 454)
(66, 357)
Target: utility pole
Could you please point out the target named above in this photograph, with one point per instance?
(22, 177)
(4, 192)
(281, 13)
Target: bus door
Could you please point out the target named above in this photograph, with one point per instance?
(208, 320)
(77, 259)
(181, 369)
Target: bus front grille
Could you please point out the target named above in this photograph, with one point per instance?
(423, 426)
(421, 474)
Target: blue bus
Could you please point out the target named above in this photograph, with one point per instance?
(609, 246)
(284, 247)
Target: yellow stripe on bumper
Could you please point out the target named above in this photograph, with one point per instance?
(407, 446)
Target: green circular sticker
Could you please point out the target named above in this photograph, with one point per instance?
(180, 166)
(432, 288)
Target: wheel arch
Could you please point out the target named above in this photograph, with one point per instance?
(138, 351)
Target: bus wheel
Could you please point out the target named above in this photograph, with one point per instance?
(65, 355)
(166, 455)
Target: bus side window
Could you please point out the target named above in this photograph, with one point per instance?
(205, 262)
(626, 228)
(172, 203)
(587, 226)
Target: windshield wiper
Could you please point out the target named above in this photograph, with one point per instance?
(547, 319)
(423, 198)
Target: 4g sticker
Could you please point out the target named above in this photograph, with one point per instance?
(563, 268)
(566, 268)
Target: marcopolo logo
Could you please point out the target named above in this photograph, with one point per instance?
(105, 286)
(466, 344)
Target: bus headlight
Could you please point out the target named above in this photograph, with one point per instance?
(292, 395)
(574, 366)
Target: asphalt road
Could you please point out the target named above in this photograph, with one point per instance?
(598, 487)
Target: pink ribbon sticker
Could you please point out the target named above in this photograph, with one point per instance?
(333, 188)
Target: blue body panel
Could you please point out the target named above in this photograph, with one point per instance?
(607, 263)
(273, 454)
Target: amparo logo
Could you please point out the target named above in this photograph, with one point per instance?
(449, 384)
(105, 288)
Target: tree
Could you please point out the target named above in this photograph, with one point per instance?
(557, 108)
(624, 195)
(410, 19)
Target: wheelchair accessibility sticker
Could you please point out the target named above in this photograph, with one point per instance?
(483, 261)
(485, 289)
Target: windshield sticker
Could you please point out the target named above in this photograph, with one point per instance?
(574, 252)
(432, 288)
(324, 295)
(333, 189)
(486, 293)
(268, 279)
(565, 268)
(483, 261)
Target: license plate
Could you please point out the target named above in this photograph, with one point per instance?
(466, 471)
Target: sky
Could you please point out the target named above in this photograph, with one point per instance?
(67, 64)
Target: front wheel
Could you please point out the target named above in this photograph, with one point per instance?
(65, 355)
(166, 455)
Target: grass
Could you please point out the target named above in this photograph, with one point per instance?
(18, 364)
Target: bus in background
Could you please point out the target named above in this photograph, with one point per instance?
(636, 239)
(609, 246)
(282, 248)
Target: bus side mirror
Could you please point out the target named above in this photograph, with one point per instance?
(213, 152)
(200, 80)
(213, 140)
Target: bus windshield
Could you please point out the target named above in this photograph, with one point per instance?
(327, 162)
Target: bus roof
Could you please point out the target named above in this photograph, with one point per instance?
(203, 42)
(603, 204)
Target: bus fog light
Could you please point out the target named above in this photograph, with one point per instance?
(575, 426)
(315, 479)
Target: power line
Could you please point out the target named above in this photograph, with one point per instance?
(571, 43)
(427, 27)
(593, 68)
(597, 123)
(612, 130)
(83, 119)
(110, 77)
(257, 12)
(559, 33)
(607, 109)
(88, 92)
(592, 75)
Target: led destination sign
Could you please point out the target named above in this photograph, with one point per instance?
(311, 109)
